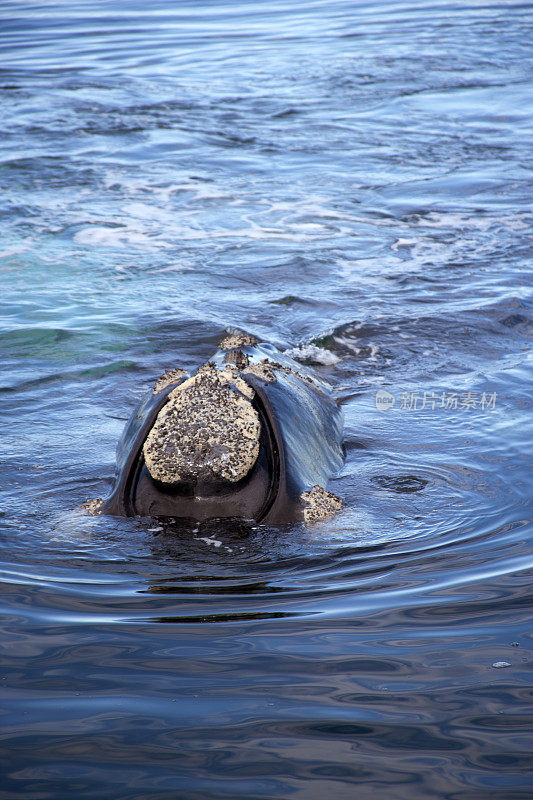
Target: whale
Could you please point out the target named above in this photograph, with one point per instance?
(251, 435)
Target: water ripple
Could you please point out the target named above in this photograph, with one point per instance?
(349, 183)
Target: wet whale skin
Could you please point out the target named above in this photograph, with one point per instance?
(300, 447)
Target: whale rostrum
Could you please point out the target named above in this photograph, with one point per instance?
(208, 428)
(252, 435)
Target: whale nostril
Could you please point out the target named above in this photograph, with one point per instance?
(208, 430)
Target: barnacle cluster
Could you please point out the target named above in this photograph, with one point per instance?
(208, 429)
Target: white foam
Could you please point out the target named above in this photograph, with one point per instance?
(403, 243)
(457, 221)
(369, 350)
(309, 352)
(14, 250)
(100, 236)
(207, 540)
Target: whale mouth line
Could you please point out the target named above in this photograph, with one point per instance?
(204, 498)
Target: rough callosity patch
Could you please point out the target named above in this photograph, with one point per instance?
(320, 504)
(238, 358)
(208, 429)
(170, 376)
(235, 340)
(93, 507)
(262, 370)
(230, 374)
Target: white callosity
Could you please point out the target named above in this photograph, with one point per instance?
(207, 429)
(319, 504)
(170, 376)
(93, 507)
(235, 340)
(262, 370)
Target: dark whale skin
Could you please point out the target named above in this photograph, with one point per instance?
(300, 447)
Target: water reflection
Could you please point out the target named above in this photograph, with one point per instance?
(346, 182)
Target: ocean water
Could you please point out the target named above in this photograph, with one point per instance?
(350, 182)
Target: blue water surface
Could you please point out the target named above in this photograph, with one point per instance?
(352, 183)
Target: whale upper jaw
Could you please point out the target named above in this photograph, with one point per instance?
(252, 435)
